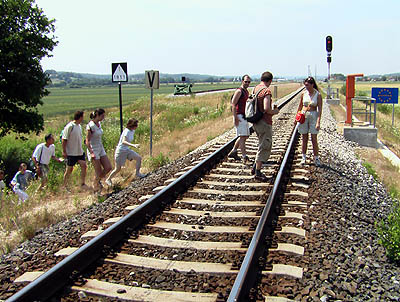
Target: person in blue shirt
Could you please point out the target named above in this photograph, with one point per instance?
(20, 182)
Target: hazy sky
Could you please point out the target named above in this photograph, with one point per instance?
(225, 37)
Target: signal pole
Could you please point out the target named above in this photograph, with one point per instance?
(329, 60)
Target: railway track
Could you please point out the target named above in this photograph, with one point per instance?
(212, 233)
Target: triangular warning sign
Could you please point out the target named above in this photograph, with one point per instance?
(119, 74)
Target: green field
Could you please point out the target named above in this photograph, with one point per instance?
(68, 100)
(365, 87)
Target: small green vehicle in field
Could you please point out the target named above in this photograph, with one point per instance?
(183, 89)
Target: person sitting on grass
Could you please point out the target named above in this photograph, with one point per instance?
(20, 182)
(123, 152)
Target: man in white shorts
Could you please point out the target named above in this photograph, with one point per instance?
(41, 157)
(242, 126)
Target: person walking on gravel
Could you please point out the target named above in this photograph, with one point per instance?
(263, 127)
(242, 126)
(72, 149)
(96, 151)
(41, 158)
(123, 152)
(311, 105)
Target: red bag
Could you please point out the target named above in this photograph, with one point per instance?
(300, 117)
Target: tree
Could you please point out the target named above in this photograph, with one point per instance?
(26, 36)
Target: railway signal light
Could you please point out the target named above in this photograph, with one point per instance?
(328, 43)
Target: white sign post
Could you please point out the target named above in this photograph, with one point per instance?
(152, 79)
(119, 73)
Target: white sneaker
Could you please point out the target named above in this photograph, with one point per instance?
(108, 182)
(140, 175)
(317, 162)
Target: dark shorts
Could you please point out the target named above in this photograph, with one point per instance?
(72, 160)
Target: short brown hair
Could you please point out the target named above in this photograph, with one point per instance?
(78, 115)
(246, 75)
(266, 76)
(132, 122)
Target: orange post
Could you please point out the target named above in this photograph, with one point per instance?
(350, 92)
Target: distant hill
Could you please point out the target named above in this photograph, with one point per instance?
(73, 79)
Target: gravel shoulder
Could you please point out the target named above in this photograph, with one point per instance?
(345, 260)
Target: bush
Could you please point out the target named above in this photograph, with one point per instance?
(361, 93)
(389, 233)
(158, 161)
(13, 152)
(343, 89)
(370, 170)
(56, 176)
(394, 192)
(385, 108)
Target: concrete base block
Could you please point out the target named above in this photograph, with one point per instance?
(365, 136)
(332, 101)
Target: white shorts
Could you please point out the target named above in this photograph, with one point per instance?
(310, 123)
(122, 156)
(22, 195)
(242, 129)
(98, 152)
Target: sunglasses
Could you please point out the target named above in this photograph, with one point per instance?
(247, 81)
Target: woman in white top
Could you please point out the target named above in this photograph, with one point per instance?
(96, 152)
(311, 105)
(123, 152)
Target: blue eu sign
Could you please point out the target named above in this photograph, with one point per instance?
(385, 95)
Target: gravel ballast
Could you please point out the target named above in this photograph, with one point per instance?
(345, 260)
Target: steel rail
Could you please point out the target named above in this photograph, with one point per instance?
(58, 276)
(45, 286)
(247, 275)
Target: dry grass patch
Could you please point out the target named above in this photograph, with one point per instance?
(179, 143)
(24, 220)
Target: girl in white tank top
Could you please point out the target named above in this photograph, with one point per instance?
(310, 100)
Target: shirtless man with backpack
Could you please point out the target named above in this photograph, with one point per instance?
(242, 126)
